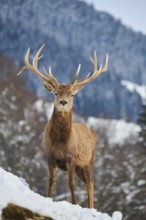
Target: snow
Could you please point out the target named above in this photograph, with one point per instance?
(132, 87)
(44, 107)
(118, 131)
(141, 182)
(15, 190)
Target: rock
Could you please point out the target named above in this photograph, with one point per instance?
(14, 212)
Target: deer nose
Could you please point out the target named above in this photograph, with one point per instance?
(63, 102)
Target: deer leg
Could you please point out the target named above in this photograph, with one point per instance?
(52, 172)
(71, 178)
(90, 186)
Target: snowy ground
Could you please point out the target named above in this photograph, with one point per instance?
(15, 190)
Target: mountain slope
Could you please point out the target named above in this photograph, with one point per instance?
(72, 30)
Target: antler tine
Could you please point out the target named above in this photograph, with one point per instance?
(95, 61)
(36, 58)
(23, 68)
(51, 74)
(26, 62)
(26, 57)
(76, 74)
(47, 74)
(104, 69)
(50, 71)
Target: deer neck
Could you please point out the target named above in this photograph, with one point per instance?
(61, 125)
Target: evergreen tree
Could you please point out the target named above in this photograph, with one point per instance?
(142, 123)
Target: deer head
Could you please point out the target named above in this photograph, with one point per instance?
(63, 93)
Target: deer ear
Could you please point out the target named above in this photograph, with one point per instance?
(50, 87)
(76, 89)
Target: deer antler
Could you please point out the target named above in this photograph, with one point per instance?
(48, 79)
(82, 82)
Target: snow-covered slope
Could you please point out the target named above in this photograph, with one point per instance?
(118, 132)
(15, 190)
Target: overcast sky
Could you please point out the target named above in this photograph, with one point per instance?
(131, 12)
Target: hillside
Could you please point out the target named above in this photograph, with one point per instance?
(71, 31)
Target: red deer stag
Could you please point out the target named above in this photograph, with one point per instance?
(69, 146)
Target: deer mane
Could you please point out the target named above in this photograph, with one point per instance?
(60, 126)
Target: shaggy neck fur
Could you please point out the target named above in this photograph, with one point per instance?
(61, 124)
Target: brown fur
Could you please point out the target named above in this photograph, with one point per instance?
(60, 126)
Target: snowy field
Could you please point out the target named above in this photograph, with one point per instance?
(15, 190)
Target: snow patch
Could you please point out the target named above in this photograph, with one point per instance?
(141, 182)
(15, 190)
(132, 87)
(117, 131)
(46, 107)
